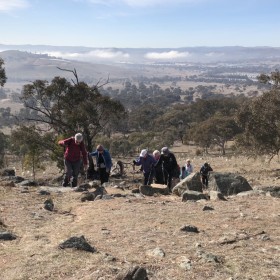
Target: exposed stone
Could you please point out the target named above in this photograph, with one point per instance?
(7, 172)
(214, 195)
(30, 183)
(135, 273)
(191, 182)
(157, 252)
(184, 262)
(49, 205)
(89, 196)
(228, 183)
(7, 236)
(207, 208)
(209, 257)
(78, 243)
(193, 195)
(189, 228)
(274, 191)
(150, 191)
(44, 192)
(82, 187)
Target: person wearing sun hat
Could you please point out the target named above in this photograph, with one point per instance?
(103, 163)
(74, 150)
(147, 162)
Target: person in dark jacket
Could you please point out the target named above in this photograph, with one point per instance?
(147, 163)
(103, 163)
(204, 173)
(169, 165)
(158, 172)
(74, 150)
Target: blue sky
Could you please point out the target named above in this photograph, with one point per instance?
(140, 23)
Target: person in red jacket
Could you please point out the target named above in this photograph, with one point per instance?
(74, 149)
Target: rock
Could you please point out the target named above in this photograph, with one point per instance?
(100, 191)
(191, 182)
(135, 273)
(15, 179)
(228, 183)
(88, 197)
(207, 208)
(135, 190)
(7, 172)
(29, 183)
(208, 257)
(78, 243)
(44, 192)
(189, 228)
(252, 193)
(274, 191)
(157, 252)
(184, 262)
(150, 191)
(214, 195)
(7, 236)
(49, 205)
(82, 187)
(193, 195)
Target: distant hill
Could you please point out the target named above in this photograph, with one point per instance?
(153, 55)
(25, 63)
(22, 66)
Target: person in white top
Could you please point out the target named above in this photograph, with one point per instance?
(189, 167)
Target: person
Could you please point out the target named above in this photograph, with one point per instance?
(91, 173)
(158, 172)
(204, 172)
(103, 163)
(147, 162)
(189, 167)
(183, 173)
(74, 148)
(169, 165)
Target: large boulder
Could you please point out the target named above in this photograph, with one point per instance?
(191, 182)
(228, 183)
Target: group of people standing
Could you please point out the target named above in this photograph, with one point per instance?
(162, 167)
(159, 167)
(74, 149)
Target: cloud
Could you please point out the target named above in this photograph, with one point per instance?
(167, 55)
(9, 5)
(96, 54)
(213, 54)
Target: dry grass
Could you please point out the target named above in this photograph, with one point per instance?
(243, 232)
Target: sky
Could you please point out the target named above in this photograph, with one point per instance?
(140, 23)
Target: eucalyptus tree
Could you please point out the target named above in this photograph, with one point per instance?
(217, 130)
(65, 107)
(260, 119)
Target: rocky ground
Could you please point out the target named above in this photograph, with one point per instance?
(162, 236)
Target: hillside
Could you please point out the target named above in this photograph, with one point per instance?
(238, 239)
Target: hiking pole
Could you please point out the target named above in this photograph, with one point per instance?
(149, 177)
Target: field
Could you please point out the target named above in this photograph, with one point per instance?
(239, 239)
